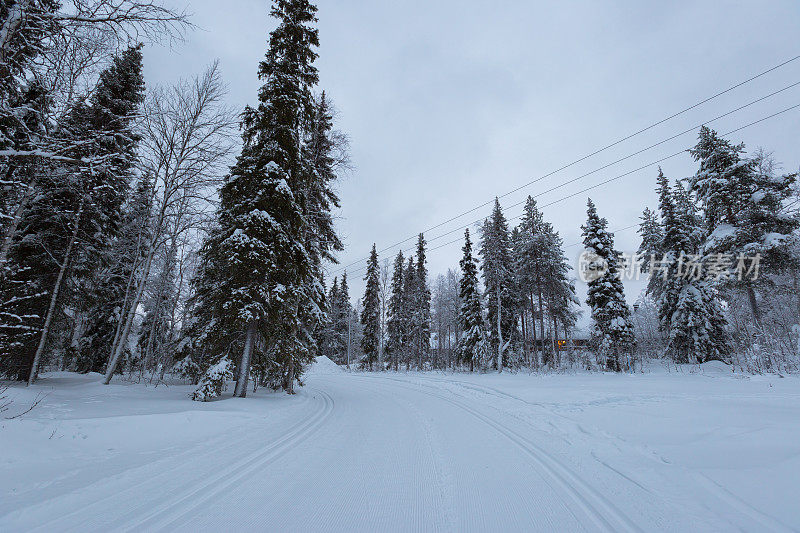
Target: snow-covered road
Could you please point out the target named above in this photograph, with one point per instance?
(399, 452)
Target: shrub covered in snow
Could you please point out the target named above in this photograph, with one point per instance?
(188, 369)
(213, 382)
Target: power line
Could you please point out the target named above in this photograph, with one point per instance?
(598, 151)
(615, 178)
(595, 186)
(659, 143)
(613, 232)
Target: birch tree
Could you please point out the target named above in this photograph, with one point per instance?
(187, 135)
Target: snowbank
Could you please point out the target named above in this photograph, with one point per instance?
(323, 365)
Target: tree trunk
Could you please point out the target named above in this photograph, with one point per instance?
(123, 312)
(796, 290)
(151, 335)
(556, 350)
(54, 298)
(11, 231)
(244, 367)
(541, 321)
(525, 354)
(534, 352)
(751, 296)
(17, 14)
(380, 347)
(123, 338)
(499, 332)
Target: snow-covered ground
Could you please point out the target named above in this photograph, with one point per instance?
(704, 451)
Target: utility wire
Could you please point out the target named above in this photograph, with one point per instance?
(568, 165)
(595, 186)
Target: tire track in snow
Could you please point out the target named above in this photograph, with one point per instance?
(177, 508)
(761, 520)
(448, 520)
(216, 445)
(593, 505)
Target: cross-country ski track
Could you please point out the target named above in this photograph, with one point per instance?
(390, 452)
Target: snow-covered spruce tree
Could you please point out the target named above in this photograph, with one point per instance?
(498, 279)
(206, 337)
(688, 307)
(326, 335)
(77, 214)
(113, 289)
(745, 212)
(410, 281)
(271, 290)
(395, 323)
(370, 312)
(529, 254)
(652, 237)
(420, 312)
(214, 381)
(323, 152)
(541, 275)
(605, 295)
(472, 345)
(25, 25)
(558, 289)
(342, 321)
(18, 295)
(23, 108)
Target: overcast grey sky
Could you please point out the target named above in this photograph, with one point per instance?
(449, 103)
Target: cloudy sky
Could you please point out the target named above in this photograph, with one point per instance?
(449, 103)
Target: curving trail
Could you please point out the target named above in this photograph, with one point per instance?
(397, 452)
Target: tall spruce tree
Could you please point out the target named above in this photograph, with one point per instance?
(334, 335)
(558, 289)
(370, 312)
(420, 313)
(652, 236)
(605, 294)
(410, 280)
(498, 279)
(110, 296)
(472, 346)
(23, 103)
(396, 323)
(688, 306)
(318, 199)
(270, 290)
(326, 335)
(530, 266)
(744, 207)
(78, 213)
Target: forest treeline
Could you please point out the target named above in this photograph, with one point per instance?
(141, 237)
(133, 243)
(720, 252)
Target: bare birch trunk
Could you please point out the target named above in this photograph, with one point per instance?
(123, 338)
(123, 312)
(751, 296)
(54, 298)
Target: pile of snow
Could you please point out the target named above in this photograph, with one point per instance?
(716, 368)
(323, 365)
